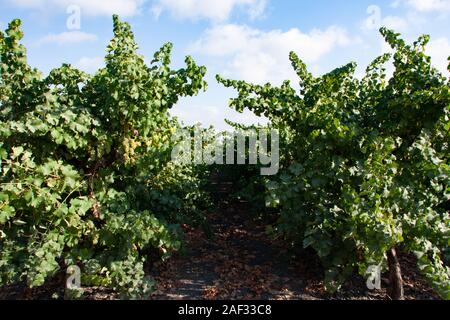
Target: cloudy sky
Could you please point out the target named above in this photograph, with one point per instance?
(240, 39)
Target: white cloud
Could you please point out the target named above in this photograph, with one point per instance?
(90, 7)
(375, 20)
(257, 10)
(425, 5)
(396, 23)
(197, 113)
(90, 64)
(192, 113)
(208, 9)
(260, 56)
(70, 37)
(439, 50)
(392, 22)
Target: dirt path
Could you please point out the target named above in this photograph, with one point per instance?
(240, 262)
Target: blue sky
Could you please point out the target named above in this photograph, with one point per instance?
(240, 39)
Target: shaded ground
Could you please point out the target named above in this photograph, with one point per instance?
(238, 263)
(242, 262)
